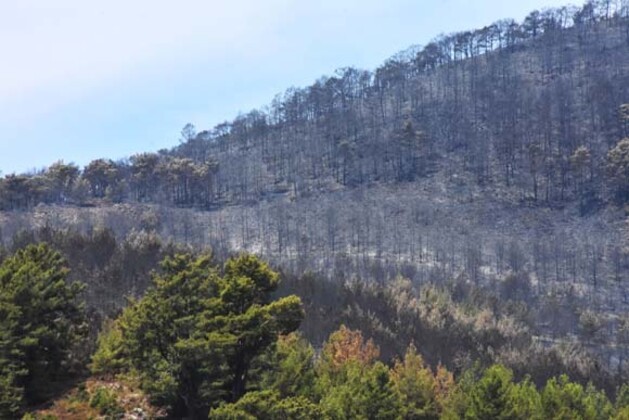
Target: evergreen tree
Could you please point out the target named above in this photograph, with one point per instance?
(417, 386)
(489, 398)
(562, 399)
(41, 319)
(351, 383)
(195, 334)
(526, 401)
(292, 367)
(361, 392)
(268, 405)
(109, 357)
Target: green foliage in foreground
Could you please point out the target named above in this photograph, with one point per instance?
(210, 343)
(109, 357)
(268, 405)
(192, 339)
(213, 342)
(351, 384)
(41, 318)
(104, 400)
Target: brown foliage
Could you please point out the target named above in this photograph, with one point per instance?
(347, 345)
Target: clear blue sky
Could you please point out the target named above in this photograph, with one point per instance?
(82, 79)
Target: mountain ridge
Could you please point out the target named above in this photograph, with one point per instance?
(481, 157)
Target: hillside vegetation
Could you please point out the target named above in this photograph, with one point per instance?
(207, 341)
(469, 196)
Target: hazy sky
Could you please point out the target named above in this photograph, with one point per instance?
(86, 79)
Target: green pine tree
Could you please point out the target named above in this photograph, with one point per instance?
(194, 336)
(562, 399)
(417, 386)
(41, 319)
(268, 405)
(491, 396)
(291, 370)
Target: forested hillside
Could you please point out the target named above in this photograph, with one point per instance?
(489, 166)
(218, 341)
